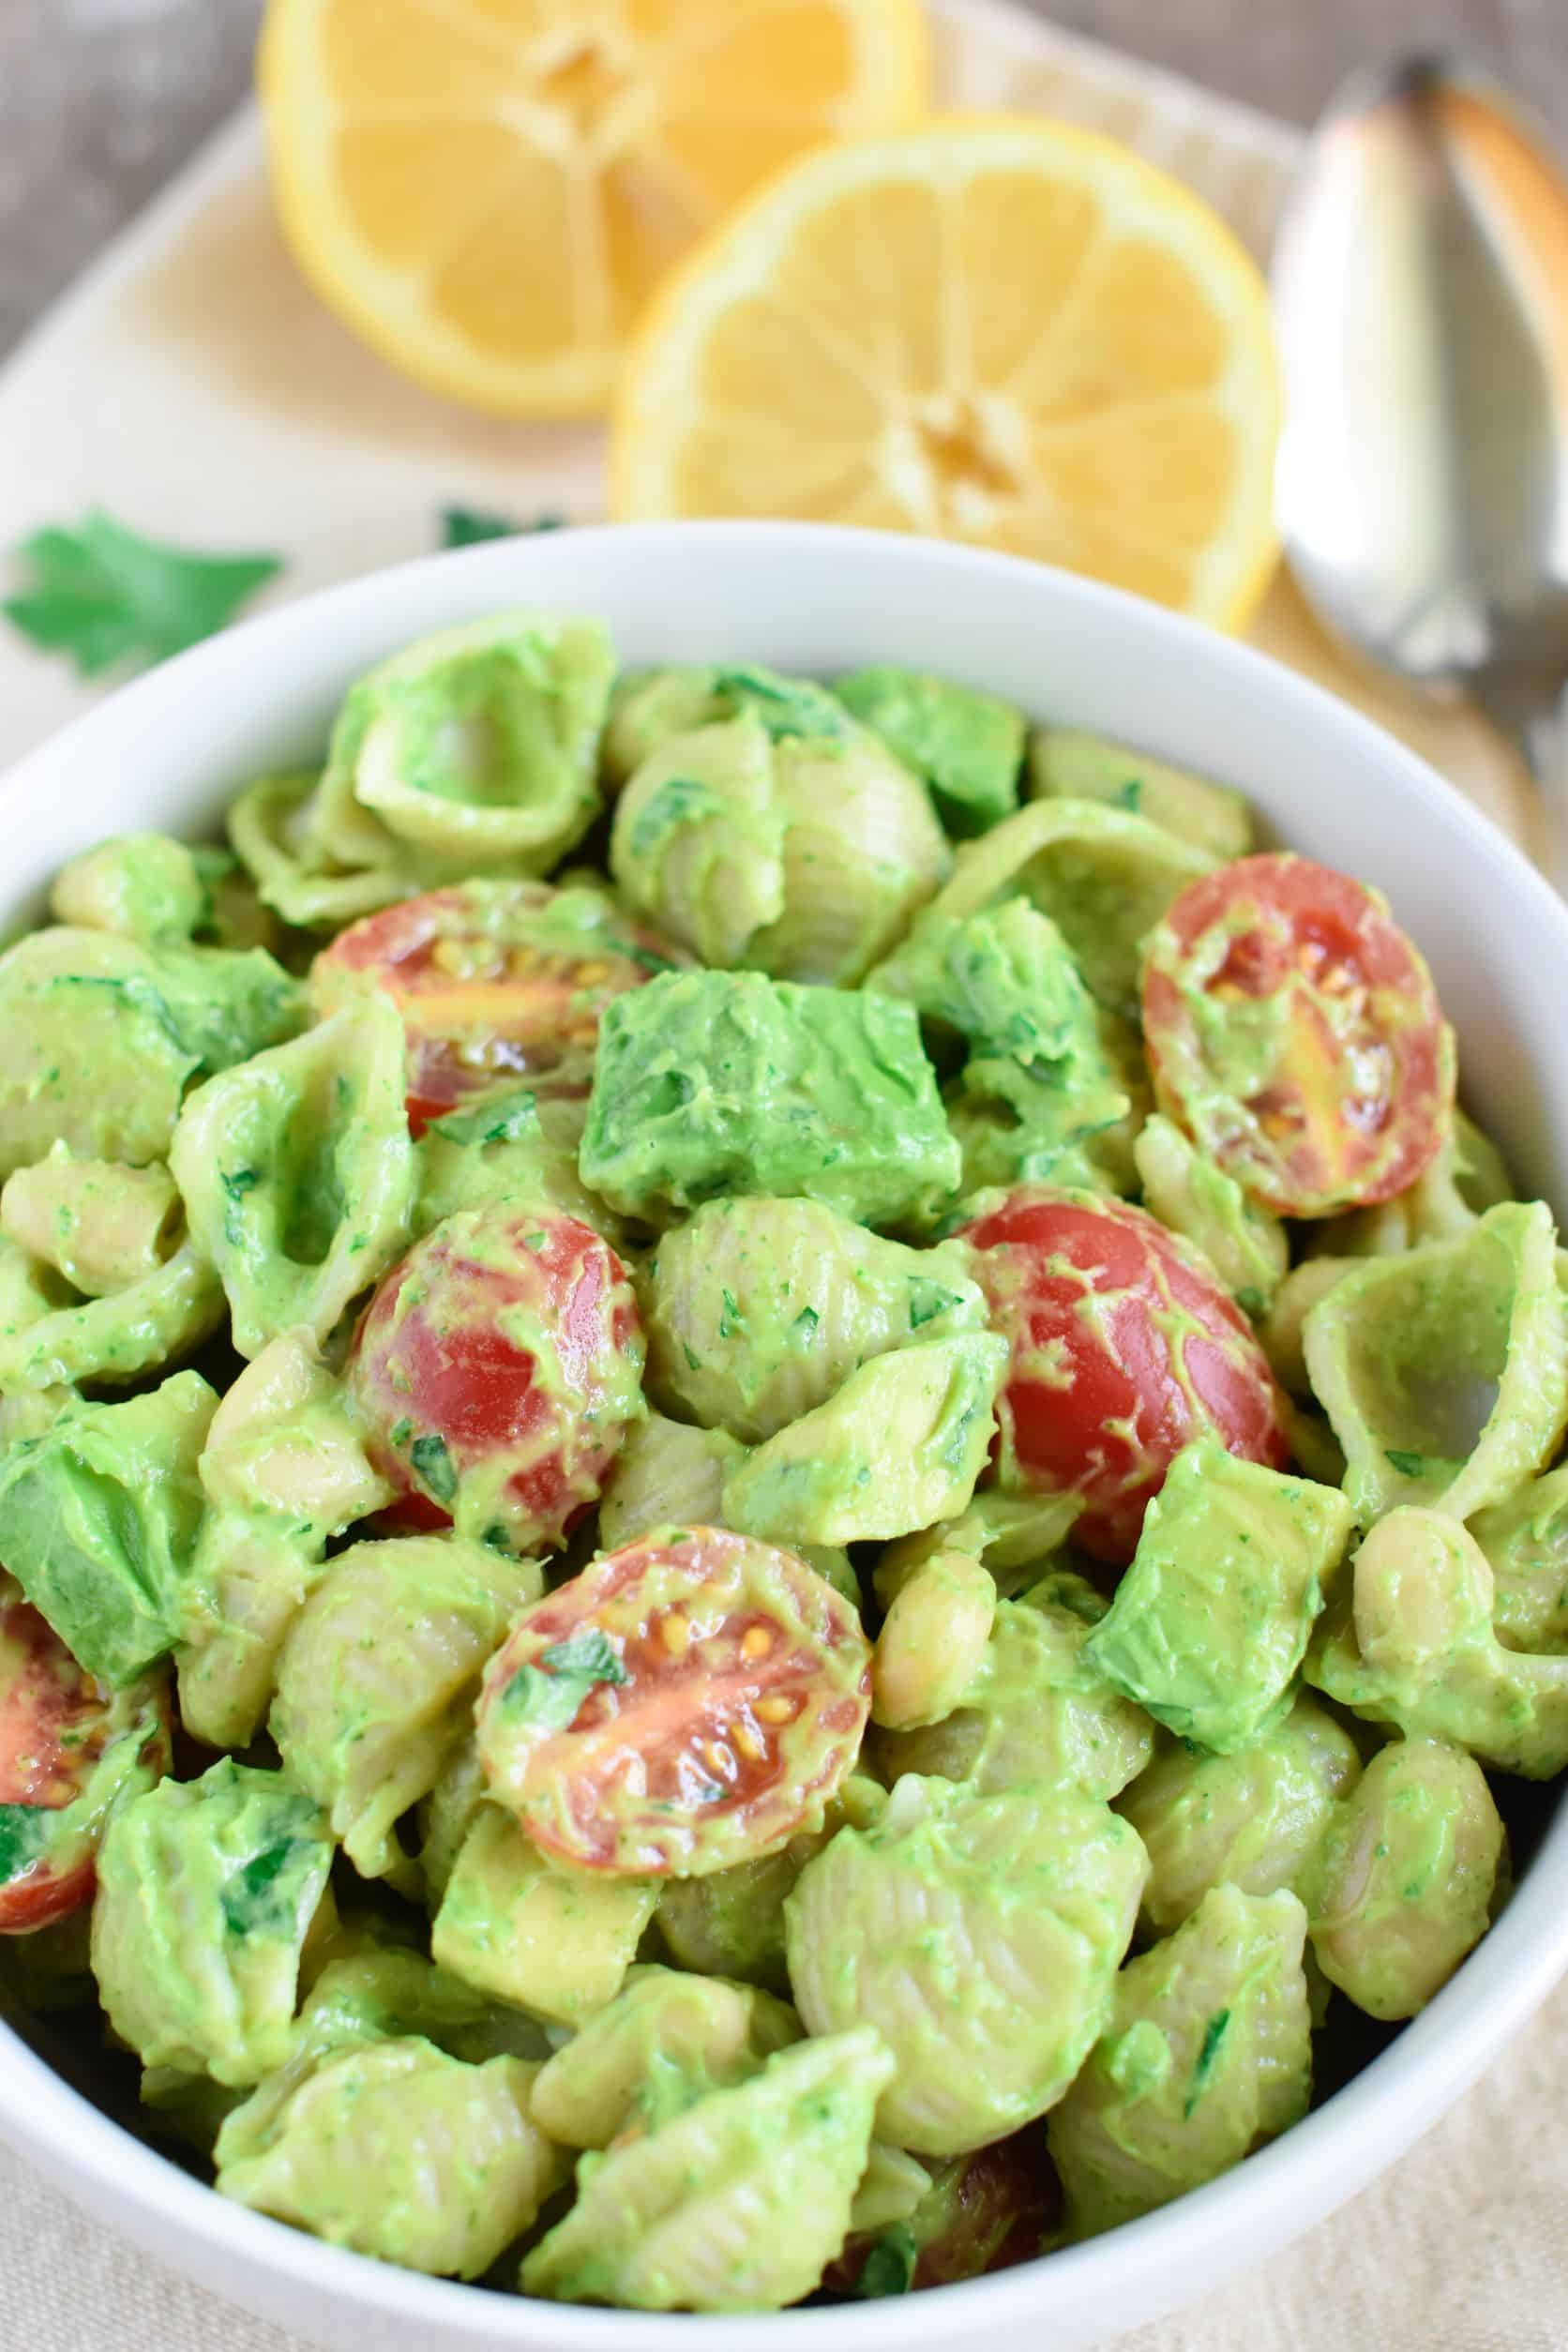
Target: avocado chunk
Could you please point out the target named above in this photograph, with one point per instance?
(901, 1445)
(708, 1082)
(549, 1939)
(1037, 1084)
(97, 1518)
(966, 745)
(1210, 1622)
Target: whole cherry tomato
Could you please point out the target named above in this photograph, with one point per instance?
(1125, 1348)
(1295, 1031)
(495, 1372)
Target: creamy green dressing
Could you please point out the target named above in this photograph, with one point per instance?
(480, 1952)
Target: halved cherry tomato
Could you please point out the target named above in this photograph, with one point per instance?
(496, 981)
(1124, 1348)
(1295, 1031)
(686, 1702)
(495, 1372)
(68, 1748)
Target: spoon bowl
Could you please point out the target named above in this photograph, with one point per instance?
(1421, 287)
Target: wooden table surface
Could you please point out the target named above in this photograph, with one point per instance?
(101, 99)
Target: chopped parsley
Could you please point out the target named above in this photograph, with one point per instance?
(889, 2267)
(255, 1902)
(786, 706)
(806, 1324)
(1409, 1465)
(502, 1119)
(1213, 2035)
(433, 1464)
(583, 1663)
(732, 1320)
(678, 801)
(23, 1835)
(928, 1299)
(102, 594)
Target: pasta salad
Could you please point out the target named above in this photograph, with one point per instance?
(776, 1479)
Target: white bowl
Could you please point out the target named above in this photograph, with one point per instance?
(170, 750)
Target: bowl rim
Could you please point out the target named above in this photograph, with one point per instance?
(1335, 2150)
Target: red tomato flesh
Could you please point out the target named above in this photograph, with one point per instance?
(494, 985)
(1295, 1032)
(495, 1372)
(1124, 1349)
(687, 1702)
(55, 1723)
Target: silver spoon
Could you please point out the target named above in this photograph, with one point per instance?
(1421, 288)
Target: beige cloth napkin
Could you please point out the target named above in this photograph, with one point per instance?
(192, 386)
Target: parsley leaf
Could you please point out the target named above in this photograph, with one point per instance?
(101, 594)
(23, 1835)
(1213, 2034)
(1409, 1465)
(889, 2267)
(254, 1902)
(577, 1665)
(497, 1119)
(468, 526)
(433, 1464)
(928, 1299)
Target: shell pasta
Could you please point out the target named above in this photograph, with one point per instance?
(777, 1485)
